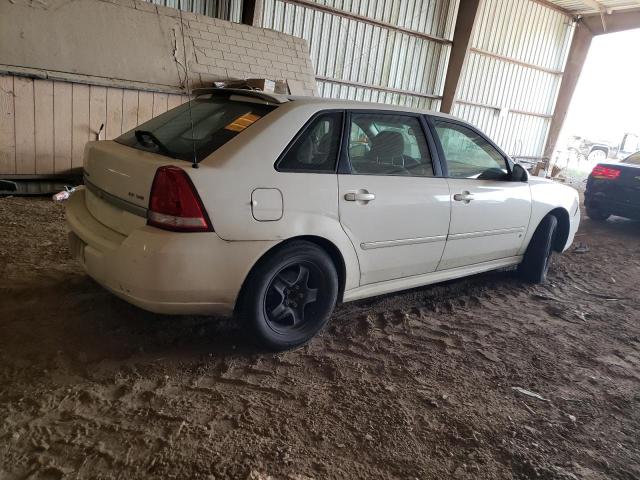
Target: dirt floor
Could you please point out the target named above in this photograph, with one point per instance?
(413, 385)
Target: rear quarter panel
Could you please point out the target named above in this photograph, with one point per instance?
(227, 178)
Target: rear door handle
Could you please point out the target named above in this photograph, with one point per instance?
(359, 197)
(465, 197)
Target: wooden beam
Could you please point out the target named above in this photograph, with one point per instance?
(575, 61)
(465, 23)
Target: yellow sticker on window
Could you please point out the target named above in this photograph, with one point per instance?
(242, 122)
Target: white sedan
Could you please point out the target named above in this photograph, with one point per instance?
(275, 208)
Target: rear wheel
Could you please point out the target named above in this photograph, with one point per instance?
(290, 295)
(537, 258)
(596, 214)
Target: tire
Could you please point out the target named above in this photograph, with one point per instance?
(597, 215)
(537, 258)
(597, 155)
(289, 295)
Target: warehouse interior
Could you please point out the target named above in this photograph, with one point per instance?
(425, 383)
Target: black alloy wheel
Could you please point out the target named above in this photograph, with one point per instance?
(290, 295)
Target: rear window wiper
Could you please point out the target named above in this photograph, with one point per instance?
(142, 135)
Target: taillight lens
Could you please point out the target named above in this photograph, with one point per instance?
(175, 204)
(605, 173)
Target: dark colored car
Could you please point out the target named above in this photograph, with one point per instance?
(614, 189)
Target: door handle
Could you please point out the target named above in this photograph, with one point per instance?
(359, 196)
(465, 197)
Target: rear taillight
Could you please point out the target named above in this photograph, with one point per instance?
(175, 204)
(605, 173)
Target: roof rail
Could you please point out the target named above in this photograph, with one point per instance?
(267, 97)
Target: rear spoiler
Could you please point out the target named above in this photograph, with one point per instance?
(247, 94)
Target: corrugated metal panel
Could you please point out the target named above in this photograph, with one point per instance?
(504, 84)
(518, 134)
(525, 31)
(347, 50)
(517, 47)
(224, 9)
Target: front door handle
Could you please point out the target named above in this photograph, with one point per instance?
(362, 196)
(465, 197)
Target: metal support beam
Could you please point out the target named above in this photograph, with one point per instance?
(575, 61)
(378, 87)
(617, 21)
(465, 23)
(586, 28)
(252, 12)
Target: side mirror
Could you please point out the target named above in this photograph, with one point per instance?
(518, 173)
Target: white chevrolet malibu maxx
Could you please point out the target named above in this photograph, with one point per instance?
(276, 208)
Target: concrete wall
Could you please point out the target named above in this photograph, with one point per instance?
(67, 67)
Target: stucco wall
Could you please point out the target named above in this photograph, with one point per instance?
(68, 67)
(135, 41)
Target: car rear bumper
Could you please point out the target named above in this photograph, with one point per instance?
(613, 207)
(160, 271)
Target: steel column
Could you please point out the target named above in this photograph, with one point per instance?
(587, 27)
(465, 23)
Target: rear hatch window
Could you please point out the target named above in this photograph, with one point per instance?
(193, 133)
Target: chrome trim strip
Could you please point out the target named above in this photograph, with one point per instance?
(404, 241)
(115, 201)
(487, 233)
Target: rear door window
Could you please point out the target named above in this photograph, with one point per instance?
(316, 148)
(215, 121)
(388, 144)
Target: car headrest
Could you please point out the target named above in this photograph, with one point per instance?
(387, 145)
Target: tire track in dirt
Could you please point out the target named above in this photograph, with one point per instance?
(411, 385)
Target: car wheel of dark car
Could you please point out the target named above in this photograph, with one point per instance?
(290, 295)
(537, 258)
(597, 215)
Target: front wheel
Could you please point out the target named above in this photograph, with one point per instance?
(290, 295)
(537, 258)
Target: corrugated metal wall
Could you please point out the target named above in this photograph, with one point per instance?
(513, 74)
(391, 51)
(224, 9)
(396, 51)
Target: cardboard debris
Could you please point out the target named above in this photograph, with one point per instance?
(262, 84)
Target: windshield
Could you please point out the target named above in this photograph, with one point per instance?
(215, 121)
(633, 159)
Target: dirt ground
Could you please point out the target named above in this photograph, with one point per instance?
(413, 385)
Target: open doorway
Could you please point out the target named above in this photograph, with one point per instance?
(603, 121)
